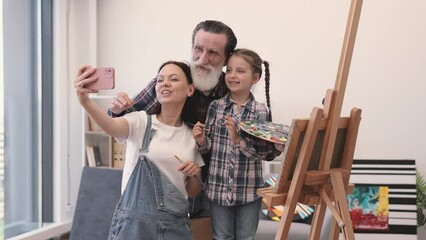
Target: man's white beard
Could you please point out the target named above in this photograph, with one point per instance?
(205, 81)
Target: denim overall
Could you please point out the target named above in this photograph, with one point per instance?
(151, 207)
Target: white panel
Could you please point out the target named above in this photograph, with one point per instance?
(402, 214)
(383, 179)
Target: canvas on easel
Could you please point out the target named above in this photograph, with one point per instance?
(319, 154)
(301, 178)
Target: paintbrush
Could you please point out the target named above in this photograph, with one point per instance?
(206, 130)
(196, 176)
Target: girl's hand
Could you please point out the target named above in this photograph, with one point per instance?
(198, 133)
(83, 78)
(279, 147)
(232, 129)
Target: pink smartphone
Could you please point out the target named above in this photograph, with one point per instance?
(106, 79)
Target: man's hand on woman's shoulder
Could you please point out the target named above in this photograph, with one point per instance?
(120, 103)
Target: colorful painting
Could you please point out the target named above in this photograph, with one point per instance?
(369, 207)
(269, 131)
(301, 212)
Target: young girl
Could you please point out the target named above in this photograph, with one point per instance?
(235, 171)
(154, 202)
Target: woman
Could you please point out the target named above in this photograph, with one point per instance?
(154, 202)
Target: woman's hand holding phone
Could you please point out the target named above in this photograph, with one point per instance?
(91, 80)
(105, 79)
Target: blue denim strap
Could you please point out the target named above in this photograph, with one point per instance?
(147, 136)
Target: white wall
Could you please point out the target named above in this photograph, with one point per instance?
(302, 40)
(72, 48)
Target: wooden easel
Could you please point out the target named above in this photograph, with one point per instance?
(319, 154)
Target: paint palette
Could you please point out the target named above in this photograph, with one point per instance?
(269, 131)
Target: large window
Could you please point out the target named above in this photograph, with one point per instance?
(26, 123)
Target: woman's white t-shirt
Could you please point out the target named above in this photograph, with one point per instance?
(167, 142)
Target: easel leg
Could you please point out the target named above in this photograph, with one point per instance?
(336, 219)
(299, 174)
(334, 230)
(341, 203)
(318, 220)
(286, 219)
